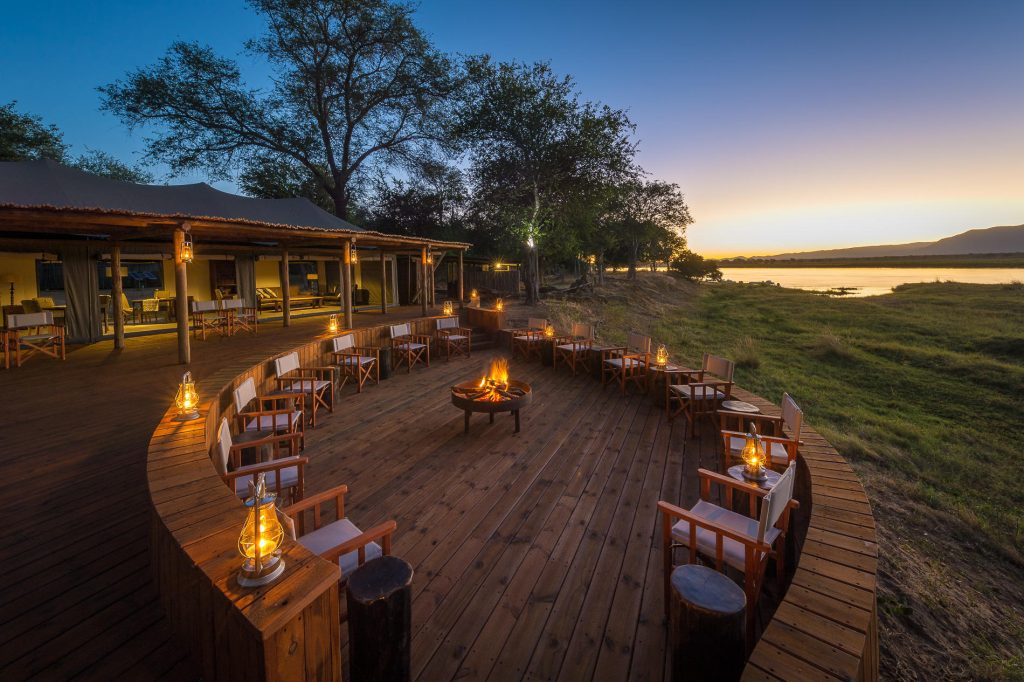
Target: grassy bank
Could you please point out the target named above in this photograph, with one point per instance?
(983, 260)
(923, 391)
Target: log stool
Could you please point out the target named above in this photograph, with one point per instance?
(380, 620)
(708, 628)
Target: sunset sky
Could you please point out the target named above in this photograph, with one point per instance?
(789, 126)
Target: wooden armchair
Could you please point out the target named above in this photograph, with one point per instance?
(781, 448)
(273, 412)
(627, 364)
(527, 341)
(408, 348)
(315, 382)
(239, 317)
(37, 333)
(728, 538)
(453, 338)
(283, 474)
(698, 393)
(356, 362)
(341, 540)
(574, 349)
(208, 317)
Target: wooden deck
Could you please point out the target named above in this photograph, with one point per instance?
(535, 554)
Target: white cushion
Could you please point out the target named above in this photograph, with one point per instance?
(777, 451)
(527, 338)
(289, 477)
(411, 346)
(304, 386)
(273, 421)
(351, 360)
(699, 392)
(455, 337)
(733, 552)
(332, 535)
(36, 338)
(567, 346)
(617, 362)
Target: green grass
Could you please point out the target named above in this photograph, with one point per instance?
(923, 391)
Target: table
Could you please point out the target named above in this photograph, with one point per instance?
(736, 471)
(740, 406)
(707, 627)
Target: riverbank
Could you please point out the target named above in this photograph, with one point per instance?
(868, 281)
(921, 390)
(984, 260)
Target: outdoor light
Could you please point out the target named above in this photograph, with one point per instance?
(187, 252)
(430, 259)
(353, 256)
(661, 356)
(332, 324)
(549, 332)
(260, 541)
(447, 308)
(499, 305)
(474, 297)
(187, 399)
(754, 457)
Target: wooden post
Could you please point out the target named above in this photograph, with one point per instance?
(380, 620)
(462, 289)
(708, 625)
(342, 266)
(180, 299)
(346, 287)
(423, 280)
(383, 282)
(286, 294)
(116, 291)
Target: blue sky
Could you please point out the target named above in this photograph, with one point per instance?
(787, 125)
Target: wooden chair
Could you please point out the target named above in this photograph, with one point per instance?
(454, 339)
(309, 381)
(356, 362)
(781, 448)
(207, 316)
(627, 364)
(527, 341)
(574, 350)
(728, 538)
(341, 540)
(240, 317)
(273, 412)
(149, 309)
(408, 348)
(37, 332)
(282, 473)
(699, 392)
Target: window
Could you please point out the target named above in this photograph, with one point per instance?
(140, 275)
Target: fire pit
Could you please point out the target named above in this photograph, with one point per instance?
(492, 393)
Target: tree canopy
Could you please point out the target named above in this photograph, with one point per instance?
(355, 83)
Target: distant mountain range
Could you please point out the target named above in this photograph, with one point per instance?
(1002, 239)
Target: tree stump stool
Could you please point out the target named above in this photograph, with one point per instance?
(708, 628)
(380, 620)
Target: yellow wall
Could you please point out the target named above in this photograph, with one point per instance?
(268, 273)
(198, 274)
(23, 267)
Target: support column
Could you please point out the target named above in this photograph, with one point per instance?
(462, 289)
(346, 285)
(423, 280)
(116, 291)
(383, 282)
(180, 299)
(286, 294)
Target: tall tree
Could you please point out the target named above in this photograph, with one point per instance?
(535, 149)
(24, 137)
(355, 84)
(99, 162)
(649, 213)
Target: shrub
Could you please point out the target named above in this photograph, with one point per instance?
(830, 346)
(694, 267)
(747, 353)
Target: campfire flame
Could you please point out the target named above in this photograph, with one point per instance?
(495, 380)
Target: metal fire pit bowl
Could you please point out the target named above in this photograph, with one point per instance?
(462, 399)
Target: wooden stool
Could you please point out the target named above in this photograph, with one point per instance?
(380, 620)
(708, 627)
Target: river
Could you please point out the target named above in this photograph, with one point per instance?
(870, 281)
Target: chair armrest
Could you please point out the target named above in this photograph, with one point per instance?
(382, 531)
(726, 481)
(671, 511)
(749, 416)
(318, 499)
(265, 467)
(274, 397)
(367, 350)
(613, 351)
(421, 338)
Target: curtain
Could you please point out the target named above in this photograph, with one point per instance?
(245, 271)
(82, 291)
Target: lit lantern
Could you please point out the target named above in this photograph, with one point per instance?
(447, 308)
(549, 332)
(187, 399)
(260, 541)
(754, 457)
(430, 258)
(661, 356)
(499, 305)
(332, 324)
(474, 297)
(187, 251)
(353, 256)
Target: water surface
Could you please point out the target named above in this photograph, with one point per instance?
(870, 281)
